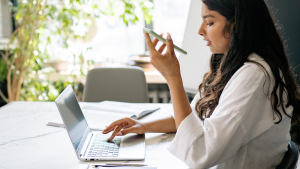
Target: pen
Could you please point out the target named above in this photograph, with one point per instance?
(119, 164)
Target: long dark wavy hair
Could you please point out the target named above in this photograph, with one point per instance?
(254, 31)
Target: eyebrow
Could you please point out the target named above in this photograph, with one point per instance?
(207, 16)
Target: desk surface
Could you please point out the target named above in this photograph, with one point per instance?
(26, 142)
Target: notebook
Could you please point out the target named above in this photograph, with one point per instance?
(136, 110)
(112, 110)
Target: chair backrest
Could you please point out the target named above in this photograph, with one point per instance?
(125, 84)
(290, 158)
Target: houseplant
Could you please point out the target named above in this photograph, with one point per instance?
(39, 22)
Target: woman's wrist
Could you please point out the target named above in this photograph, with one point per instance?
(174, 82)
(145, 126)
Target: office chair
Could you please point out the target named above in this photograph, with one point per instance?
(290, 158)
(125, 84)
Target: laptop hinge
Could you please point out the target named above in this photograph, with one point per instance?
(81, 144)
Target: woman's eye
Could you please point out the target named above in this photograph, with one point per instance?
(209, 24)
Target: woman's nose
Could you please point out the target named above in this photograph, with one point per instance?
(201, 31)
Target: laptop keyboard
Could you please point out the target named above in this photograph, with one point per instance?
(102, 148)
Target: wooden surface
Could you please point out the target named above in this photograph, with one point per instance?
(152, 77)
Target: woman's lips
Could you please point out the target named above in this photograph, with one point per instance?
(208, 43)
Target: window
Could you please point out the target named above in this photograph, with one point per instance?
(113, 42)
(171, 16)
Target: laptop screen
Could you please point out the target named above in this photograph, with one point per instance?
(72, 115)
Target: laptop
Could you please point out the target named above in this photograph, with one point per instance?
(93, 145)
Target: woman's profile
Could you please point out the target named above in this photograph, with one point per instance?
(242, 113)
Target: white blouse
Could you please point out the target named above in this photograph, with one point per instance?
(241, 133)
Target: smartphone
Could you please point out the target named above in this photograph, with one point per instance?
(163, 40)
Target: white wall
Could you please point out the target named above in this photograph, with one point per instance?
(195, 64)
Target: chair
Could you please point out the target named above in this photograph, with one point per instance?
(290, 158)
(125, 84)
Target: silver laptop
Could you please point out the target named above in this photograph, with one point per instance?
(93, 145)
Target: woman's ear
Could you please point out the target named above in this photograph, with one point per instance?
(229, 29)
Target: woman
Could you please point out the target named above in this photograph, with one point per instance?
(242, 114)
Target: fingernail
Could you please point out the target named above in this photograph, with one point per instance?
(169, 36)
(119, 134)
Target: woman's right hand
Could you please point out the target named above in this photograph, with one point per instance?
(128, 125)
(167, 64)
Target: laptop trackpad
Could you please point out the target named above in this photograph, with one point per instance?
(133, 146)
(133, 140)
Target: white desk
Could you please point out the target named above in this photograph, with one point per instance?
(26, 142)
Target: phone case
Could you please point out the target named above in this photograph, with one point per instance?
(149, 31)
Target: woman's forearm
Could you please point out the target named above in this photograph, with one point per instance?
(164, 125)
(180, 101)
(168, 65)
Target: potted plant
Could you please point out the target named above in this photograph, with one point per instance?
(38, 21)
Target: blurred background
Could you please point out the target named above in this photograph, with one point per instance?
(57, 42)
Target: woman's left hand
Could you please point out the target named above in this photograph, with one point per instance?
(167, 64)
